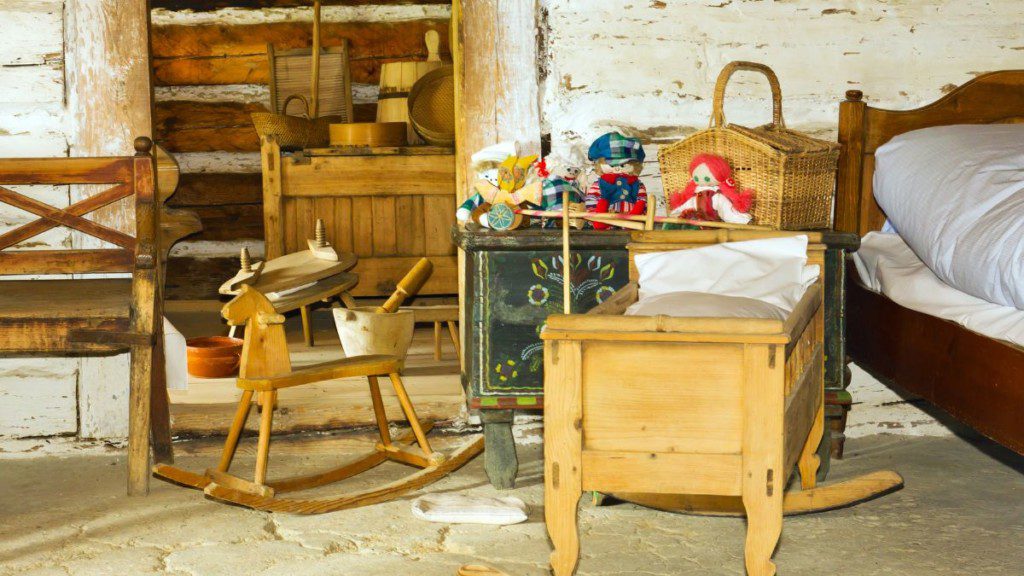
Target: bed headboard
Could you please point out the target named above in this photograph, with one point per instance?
(994, 98)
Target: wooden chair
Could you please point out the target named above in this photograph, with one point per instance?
(83, 316)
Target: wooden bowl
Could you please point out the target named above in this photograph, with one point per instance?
(369, 134)
(213, 356)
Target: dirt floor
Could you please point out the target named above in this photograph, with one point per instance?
(960, 513)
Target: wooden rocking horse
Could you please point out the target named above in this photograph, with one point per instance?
(265, 369)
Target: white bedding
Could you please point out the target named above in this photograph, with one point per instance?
(887, 265)
(956, 195)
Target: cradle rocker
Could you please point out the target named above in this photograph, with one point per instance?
(265, 369)
(697, 414)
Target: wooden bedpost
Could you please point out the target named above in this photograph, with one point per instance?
(851, 162)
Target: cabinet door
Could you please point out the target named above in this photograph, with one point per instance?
(516, 292)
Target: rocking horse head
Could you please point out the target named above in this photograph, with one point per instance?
(249, 303)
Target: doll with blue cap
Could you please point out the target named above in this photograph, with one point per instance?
(618, 161)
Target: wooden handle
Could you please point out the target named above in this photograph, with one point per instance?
(314, 103)
(300, 98)
(433, 41)
(718, 117)
(409, 286)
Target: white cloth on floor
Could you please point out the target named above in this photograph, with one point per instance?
(773, 270)
(175, 358)
(466, 509)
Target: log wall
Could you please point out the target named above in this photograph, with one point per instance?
(210, 73)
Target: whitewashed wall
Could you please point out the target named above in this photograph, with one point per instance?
(55, 71)
(650, 66)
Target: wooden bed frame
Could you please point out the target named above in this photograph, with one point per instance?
(976, 379)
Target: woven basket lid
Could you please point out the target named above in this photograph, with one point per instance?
(432, 106)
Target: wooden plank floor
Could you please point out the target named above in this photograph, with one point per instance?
(208, 404)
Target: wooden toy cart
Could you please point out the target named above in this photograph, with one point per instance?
(706, 411)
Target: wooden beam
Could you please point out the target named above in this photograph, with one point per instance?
(215, 189)
(190, 126)
(226, 54)
(208, 5)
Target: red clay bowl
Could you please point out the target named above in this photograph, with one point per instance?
(213, 356)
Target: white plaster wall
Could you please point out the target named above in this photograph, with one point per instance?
(650, 66)
(86, 397)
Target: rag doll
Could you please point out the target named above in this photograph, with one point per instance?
(618, 161)
(711, 193)
(505, 182)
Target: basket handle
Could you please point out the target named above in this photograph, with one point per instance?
(718, 118)
(300, 98)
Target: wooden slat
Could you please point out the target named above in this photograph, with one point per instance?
(385, 228)
(208, 5)
(362, 226)
(65, 261)
(67, 219)
(410, 226)
(65, 170)
(342, 236)
(662, 473)
(189, 126)
(77, 209)
(379, 276)
(438, 218)
(371, 176)
(227, 54)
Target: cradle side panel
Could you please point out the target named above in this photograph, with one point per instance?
(662, 397)
(804, 386)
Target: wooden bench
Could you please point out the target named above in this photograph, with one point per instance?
(95, 316)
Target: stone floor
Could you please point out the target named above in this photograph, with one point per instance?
(961, 512)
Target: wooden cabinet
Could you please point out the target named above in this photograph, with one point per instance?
(390, 206)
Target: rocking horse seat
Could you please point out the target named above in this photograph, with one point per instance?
(345, 368)
(69, 316)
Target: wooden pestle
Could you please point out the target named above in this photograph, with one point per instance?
(408, 286)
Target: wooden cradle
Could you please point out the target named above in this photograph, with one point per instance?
(719, 408)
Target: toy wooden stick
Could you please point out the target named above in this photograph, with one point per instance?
(617, 218)
(314, 97)
(566, 276)
(408, 286)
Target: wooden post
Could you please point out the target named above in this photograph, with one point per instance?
(273, 202)
(494, 51)
(851, 161)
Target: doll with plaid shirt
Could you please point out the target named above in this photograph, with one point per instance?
(618, 161)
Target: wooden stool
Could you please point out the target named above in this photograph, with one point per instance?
(441, 314)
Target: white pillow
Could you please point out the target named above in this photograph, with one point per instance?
(773, 270)
(956, 195)
(701, 305)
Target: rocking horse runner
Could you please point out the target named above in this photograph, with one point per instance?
(265, 369)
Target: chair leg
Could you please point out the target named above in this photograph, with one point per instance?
(160, 409)
(378, 411)
(410, 413)
(307, 332)
(263, 447)
(235, 432)
(809, 459)
(138, 419)
(453, 331)
(437, 340)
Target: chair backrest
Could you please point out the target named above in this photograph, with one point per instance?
(127, 176)
(291, 72)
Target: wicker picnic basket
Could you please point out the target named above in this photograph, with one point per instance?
(793, 175)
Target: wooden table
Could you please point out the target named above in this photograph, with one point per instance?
(389, 206)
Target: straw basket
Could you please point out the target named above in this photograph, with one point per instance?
(432, 106)
(294, 131)
(793, 175)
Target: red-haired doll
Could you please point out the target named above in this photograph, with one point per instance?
(711, 193)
